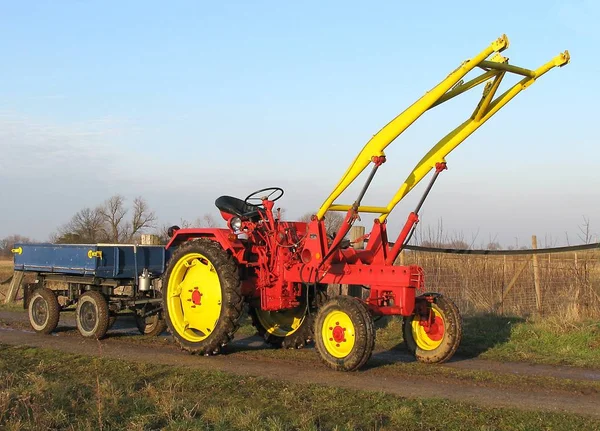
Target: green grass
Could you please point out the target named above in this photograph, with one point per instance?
(43, 389)
(543, 341)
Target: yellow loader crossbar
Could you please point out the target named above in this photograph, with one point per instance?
(495, 66)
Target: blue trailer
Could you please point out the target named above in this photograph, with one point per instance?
(98, 281)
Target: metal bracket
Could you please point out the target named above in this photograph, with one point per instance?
(92, 254)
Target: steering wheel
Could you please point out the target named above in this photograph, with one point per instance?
(262, 194)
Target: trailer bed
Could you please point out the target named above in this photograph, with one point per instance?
(114, 261)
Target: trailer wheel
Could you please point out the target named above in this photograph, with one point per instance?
(43, 310)
(437, 342)
(92, 315)
(202, 297)
(345, 333)
(151, 326)
(111, 321)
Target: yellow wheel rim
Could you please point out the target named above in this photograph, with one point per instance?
(429, 338)
(338, 334)
(282, 323)
(194, 297)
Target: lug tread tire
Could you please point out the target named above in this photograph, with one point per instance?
(156, 330)
(232, 299)
(102, 314)
(53, 310)
(364, 328)
(299, 339)
(452, 333)
(111, 321)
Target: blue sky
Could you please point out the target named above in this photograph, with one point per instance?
(181, 102)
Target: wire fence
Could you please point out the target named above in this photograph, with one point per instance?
(564, 284)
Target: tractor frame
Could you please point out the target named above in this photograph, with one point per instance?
(280, 261)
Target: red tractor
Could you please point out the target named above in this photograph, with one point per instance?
(281, 269)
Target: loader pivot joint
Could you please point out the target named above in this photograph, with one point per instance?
(378, 160)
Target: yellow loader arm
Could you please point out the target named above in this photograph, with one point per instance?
(494, 67)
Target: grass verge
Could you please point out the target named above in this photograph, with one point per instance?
(551, 340)
(43, 389)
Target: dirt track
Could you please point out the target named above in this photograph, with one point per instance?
(14, 332)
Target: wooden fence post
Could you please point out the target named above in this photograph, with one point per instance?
(357, 232)
(503, 285)
(536, 276)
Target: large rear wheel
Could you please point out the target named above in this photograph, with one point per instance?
(202, 297)
(434, 339)
(344, 333)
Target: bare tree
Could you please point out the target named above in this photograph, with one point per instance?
(494, 245)
(163, 231)
(86, 226)
(143, 218)
(8, 243)
(585, 234)
(333, 221)
(113, 212)
(107, 223)
(207, 220)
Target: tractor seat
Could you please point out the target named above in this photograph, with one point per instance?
(235, 206)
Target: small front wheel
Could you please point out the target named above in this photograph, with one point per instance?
(92, 315)
(344, 333)
(433, 338)
(43, 310)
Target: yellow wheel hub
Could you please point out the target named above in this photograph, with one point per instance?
(194, 297)
(429, 337)
(338, 334)
(282, 323)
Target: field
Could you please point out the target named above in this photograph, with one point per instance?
(565, 285)
(5, 269)
(511, 372)
(99, 395)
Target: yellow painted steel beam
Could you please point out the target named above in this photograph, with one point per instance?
(488, 95)
(361, 209)
(507, 68)
(453, 139)
(394, 128)
(460, 89)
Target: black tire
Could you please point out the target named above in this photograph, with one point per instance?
(151, 326)
(111, 321)
(43, 310)
(231, 297)
(451, 338)
(92, 315)
(364, 333)
(297, 339)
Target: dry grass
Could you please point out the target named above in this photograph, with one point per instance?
(6, 270)
(42, 389)
(569, 283)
